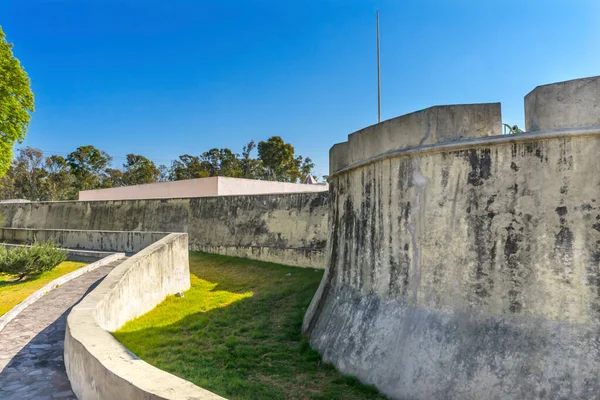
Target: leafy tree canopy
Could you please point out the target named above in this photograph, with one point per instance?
(16, 102)
(35, 177)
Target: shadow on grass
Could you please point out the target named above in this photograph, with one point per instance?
(251, 348)
(16, 281)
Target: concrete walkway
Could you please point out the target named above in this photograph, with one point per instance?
(31, 345)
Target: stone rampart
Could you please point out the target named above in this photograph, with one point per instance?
(466, 268)
(284, 228)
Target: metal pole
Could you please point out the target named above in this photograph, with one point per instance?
(378, 74)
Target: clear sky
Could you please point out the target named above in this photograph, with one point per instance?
(167, 77)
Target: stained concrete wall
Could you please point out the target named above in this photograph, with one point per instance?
(287, 228)
(569, 104)
(113, 241)
(431, 125)
(467, 270)
(98, 366)
(202, 187)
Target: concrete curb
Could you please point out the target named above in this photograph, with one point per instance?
(12, 314)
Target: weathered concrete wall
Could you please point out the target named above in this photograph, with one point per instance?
(569, 104)
(114, 241)
(431, 125)
(287, 228)
(98, 366)
(467, 270)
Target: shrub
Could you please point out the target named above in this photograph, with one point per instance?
(32, 260)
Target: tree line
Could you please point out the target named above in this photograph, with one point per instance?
(34, 176)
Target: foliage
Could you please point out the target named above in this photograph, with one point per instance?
(16, 102)
(35, 177)
(31, 260)
(89, 167)
(13, 291)
(237, 333)
(278, 160)
(138, 170)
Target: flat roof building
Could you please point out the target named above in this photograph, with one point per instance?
(201, 187)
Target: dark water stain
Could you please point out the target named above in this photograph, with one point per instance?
(445, 176)
(565, 161)
(563, 241)
(481, 163)
(511, 248)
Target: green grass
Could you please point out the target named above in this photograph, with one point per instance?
(13, 291)
(236, 332)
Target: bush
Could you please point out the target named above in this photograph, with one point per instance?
(32, 260)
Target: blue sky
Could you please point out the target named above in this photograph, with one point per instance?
(164, 78)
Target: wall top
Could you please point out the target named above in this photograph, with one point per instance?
(569, 104)
(429, 126)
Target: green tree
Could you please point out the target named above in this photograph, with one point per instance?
(89, 166)
(8, 189)
(278, 160)
(250, 167)
(306, 167)
(165, 174)
(29, 174)
(138, 170)
(16, 102)
(60, 181)
(112, 177)
(188, 167)
(220, 162)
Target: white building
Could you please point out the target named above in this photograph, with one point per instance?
(202, 187)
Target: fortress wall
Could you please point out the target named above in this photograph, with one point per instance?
(569, 104)
(468, 269)
(284, 228)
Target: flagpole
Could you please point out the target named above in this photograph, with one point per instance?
(378, 74)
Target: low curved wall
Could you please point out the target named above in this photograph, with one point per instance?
(466, 269)
(98, 366)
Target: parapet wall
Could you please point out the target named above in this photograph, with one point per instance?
(570, 104)
(466, 269)
(285, 228)
(429, 126)
(98, 366)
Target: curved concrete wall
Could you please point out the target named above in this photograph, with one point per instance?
(286, 228)
(466, 270)
(98, 366)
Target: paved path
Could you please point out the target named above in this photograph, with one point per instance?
(31, 345)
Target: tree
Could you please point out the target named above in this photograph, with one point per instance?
(249, 166)
(165, 174)
(29, 174)
(306, 167)
(89, 166)
(188, 167)
(220, 162)
(60, 181)
(278, 161)
(138, 170)
(113, 177)
(16, 103)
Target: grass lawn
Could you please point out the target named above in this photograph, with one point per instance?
(12, 292)
(236, 332)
